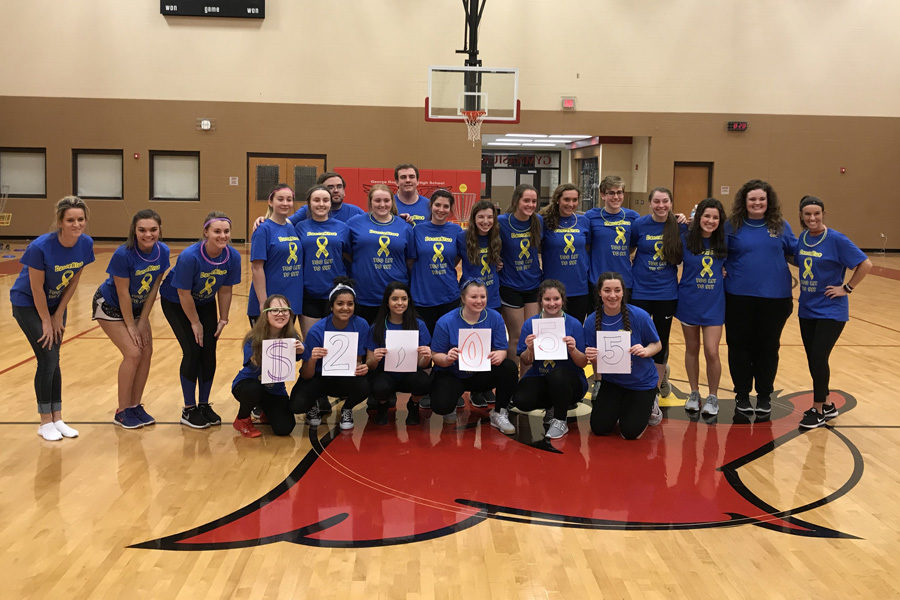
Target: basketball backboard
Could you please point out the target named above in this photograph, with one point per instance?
(454, 90)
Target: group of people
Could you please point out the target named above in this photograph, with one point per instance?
(331, 266)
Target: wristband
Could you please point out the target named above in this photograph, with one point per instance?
(848, 288)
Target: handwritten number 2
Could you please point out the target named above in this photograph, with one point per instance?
(339, 353)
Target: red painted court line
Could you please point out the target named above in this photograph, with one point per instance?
(74, 337)
(886, 272)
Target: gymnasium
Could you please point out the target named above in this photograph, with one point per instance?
(195, 106)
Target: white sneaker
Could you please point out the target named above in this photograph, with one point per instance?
(65, 430)
(500, 420)
(656, 415)
(49, 432)
(558, 428)
(692, 404)
(346, 418)
(711, 407)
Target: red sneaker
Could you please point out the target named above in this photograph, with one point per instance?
(246, 428)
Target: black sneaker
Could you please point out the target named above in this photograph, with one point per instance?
(192, 416)
(742, 404)
(412, 413)
(812, 419)
(478, 400)
(381, 414)
(829, 411)
(763, 405)
(211, 417)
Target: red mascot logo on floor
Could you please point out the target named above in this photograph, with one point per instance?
(378, 486)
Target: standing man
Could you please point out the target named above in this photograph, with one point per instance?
(410, 205)
(336, 185)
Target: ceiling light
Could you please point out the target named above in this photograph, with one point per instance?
(528, 135)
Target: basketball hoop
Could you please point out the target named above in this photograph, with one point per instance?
(474, 119)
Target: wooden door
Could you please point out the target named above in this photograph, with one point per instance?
(265, 170)
(692, 183)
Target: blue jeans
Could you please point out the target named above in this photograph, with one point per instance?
(47, 379)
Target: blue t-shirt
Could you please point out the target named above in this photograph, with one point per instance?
(701, 291)
(343, 214)
(433, 277)
(371, 344)
(643, 374)
(756, 264)
(823, 261)
(324, 244)
(483, 270)
(446, 334)
(610, 239)
(279, 248)
(202, 276)
(540, 368)
(654, 277)
(420, 210)
(565, 255)
(251, 371)
(59, 264)
(141, 270)
(379, 253)
(315, 338)
(521, 265)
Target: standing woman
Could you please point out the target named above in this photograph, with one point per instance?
(757, 292)
(521, 231)
(51, 269)
(341, 304)
(122, 307)
(397, 312)
(433, 276)
(277, 322)
(611, 233)
(566, 248)
(449, 381)
(324, 239)
(196, 298)
(479, 248)
(657, 238)
(380, 243)
(552, 384)
(623, 398)
(276, 258)
(823, 256)
(701, 301)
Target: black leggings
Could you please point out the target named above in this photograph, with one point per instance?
(307, 391)
(447, 387)
(579, 306)
(384, 384)
(630, 408)
(819, 337)
(366, 312)
(662, 312)
(753, 333)
(431, 314)
(560, 388)
(251, 393)
(198, 364)
(47, 377)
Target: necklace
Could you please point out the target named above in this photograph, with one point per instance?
(481, 318)
(513, 227)
(617, 216)
(574, 222)
(207, 259)
(152, 260)
(609, 323)
(821, 239)
(377, 222)
(562, 314)
(749, 224)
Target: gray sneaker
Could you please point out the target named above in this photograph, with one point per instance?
(692, 404)
(656, 415)
(346, 418)
(548, 417)
(500, 420)
(558, 428)
(425, 402)
(711, 406)
(664, 387)
(313, 416)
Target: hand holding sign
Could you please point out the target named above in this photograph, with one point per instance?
(340, 361)
(402, 351)
(474, 347)
(613, 352)
(279, 360)
(548, 339)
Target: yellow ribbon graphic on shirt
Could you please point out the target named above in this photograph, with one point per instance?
(383, 243)
(322, 245)
(292, 249)
(524, 245)
(485, 268)
(570, 246)
(657, 255)
(208, 285)
(66, 278)
(438, 252)
(145, 283)
(807, 269)
(550, 363)
(620, 235)
(707, 262)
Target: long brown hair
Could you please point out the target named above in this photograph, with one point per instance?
(380, 187)
(716, 239)
(598, 316)
(147, 213)
(672, 250)
(774, 222)
(551, 211)
(473, 250)
(260, 330)
(535, 226)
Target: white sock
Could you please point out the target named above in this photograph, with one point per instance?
(49, 432)
(64, 429)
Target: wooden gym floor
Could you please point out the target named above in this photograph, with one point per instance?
(720, 509)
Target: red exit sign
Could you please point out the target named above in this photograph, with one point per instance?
(738, 125)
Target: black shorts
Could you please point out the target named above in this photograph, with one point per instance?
(515, 298)
(315, 308)
(104, 311)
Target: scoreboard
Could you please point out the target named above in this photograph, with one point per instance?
(245, 9)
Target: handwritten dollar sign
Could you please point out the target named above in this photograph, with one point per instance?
(281, 364)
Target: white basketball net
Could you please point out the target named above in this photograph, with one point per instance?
(474, 119)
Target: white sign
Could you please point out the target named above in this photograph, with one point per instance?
(548, 339)
(474, 347)
(232, 181)
(341, 358)
(612, 352)
(279, 360)
(724, 190)
(402, 351)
